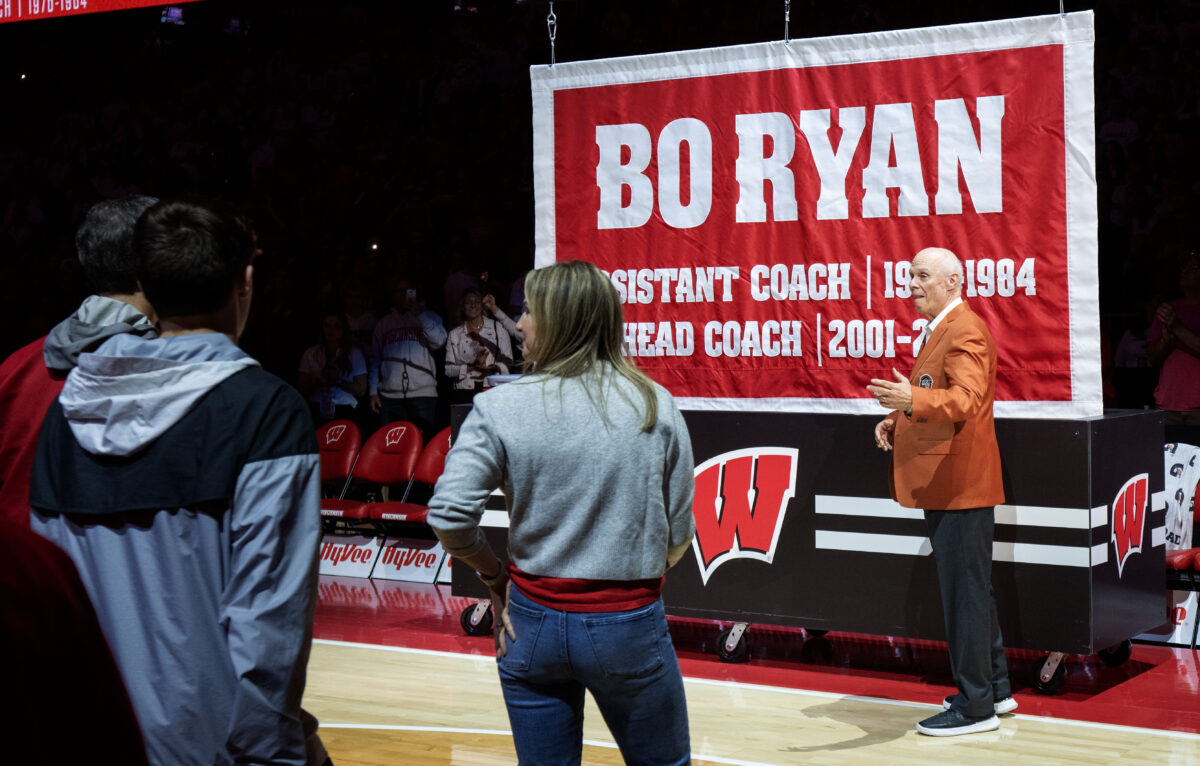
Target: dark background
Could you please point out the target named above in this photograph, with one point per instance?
(406, 125)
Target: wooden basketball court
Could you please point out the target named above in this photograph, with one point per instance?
(395, 705)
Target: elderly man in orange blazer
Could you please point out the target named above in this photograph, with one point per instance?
(945, 461)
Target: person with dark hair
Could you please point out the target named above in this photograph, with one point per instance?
(595, 463)
(476, 348)
(1173, 342)
(31, 378)
(333, 373)
(183, 481)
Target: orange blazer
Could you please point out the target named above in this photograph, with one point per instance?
(945, 455)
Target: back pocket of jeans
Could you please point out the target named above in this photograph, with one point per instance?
(626, 644)
(527, 624)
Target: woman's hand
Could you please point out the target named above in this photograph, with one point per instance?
(1168, 316)
(500, 587)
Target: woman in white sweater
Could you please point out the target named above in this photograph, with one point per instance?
(478, 347)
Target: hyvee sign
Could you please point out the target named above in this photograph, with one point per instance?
(757, 207)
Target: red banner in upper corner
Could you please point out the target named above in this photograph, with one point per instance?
(27, 10)
(757, 207)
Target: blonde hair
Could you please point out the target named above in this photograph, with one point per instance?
(579, 329)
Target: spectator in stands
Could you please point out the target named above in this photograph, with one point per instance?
(516, 295)
(464, 274)
(359, 320)
(32, 377)
(489, 305)
(477, 347)
(183, 481)
(585, 612)
(333, 373)
(1134, 378)
(1173, 341)
(403, 377)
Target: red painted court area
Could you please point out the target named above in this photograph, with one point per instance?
(1157, 688)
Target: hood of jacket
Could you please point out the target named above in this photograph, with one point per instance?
(130, 390)
(97, 319)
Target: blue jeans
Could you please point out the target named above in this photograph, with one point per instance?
(625, 659)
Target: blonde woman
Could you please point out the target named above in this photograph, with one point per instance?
(596, 468)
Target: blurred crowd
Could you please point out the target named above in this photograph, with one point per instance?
(382, 144)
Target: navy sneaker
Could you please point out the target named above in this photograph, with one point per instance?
(1006, 705)
(949, 723)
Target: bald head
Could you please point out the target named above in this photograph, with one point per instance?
(936, 280)
(945, 261)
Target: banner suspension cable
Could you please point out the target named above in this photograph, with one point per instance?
(787, 16)
(552, 30)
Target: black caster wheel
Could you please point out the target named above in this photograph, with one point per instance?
(1117, 654)
(481, 628)
(815, 632)
(740, 651)
(1057, 681)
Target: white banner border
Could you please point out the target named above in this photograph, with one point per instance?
(1074, 31)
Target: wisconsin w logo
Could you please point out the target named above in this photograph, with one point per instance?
(334, 434)
(1129, 518)
(740, 500)
(394, 436)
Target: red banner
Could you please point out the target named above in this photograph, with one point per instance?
(26, 10)
(757, 207)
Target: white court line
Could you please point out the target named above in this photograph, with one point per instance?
(400, 727)
(786, 690)
(403, 649)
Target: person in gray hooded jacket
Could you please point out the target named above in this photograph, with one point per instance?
(183, 481)
(32, 377)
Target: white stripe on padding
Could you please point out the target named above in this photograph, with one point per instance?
(494, 519)
(904, 545)
(1015, 515)
(881, 507)
(1099, 554)
(1041, 516)
(1051, 555)
(908, 545)
(1158, 536)
(1158, 501)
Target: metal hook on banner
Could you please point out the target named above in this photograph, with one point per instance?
(552, 30)
(1060, 8)
(787, 17)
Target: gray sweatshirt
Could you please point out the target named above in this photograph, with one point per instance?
(589, 495)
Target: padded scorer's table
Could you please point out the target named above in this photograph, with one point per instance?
(847, 558)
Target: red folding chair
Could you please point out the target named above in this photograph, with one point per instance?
(388, 458)
(429, 467)
(339, 442)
